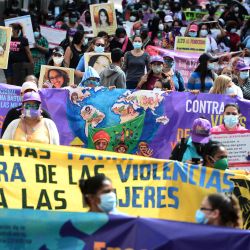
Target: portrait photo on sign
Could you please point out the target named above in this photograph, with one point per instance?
(103, 18)
(98, 61)
(5, 37)
(55, 77)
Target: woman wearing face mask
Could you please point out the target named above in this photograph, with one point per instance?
(231, 120)
(220, 210)
(32, 127)
(20, 58)
(121, 40)
(148, 81)
(40, 50)
(202, 79)
(76, 50)
(97, 46)
(135, 62)
(224, 85)
(57, 58)
(204, 32)
(175, 76)
(192, 30)
(231, 33)
(175, 7)
(242, 72)
(157, 33)
(98, 194)
(175, 31)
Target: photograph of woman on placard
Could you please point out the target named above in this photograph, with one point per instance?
(103, 18)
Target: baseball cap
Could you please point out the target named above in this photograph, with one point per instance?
(193, 27)
(168, 18)
(156, 59)
(58, 50)
(31, 96)
(241, 66)
(29, 85)
(201, 130)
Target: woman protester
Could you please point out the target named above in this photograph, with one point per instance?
(220, 210)
(57, 58)
(31, 126)
(202, 79)
(135, 62)
(231, 119)
(224, 85)
(98, 194)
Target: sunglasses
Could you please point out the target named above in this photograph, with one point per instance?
(100, 45)
(57, 55)
(231, 113)
(32, 106)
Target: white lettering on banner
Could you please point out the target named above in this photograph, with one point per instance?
(204, 107)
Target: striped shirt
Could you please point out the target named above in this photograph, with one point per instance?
(246, 89)
(194, 82)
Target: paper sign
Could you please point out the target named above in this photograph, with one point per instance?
(5, 37)
(238, 147)
(25, 22)
(53, 36)
(190, 44)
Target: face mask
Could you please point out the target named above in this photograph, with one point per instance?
(231, 121)
(236, 9)
(169, 63)
(233, 30)
(57, 60)
(230, 90)
(192, 34)
(244, 75)
(203, 33)
(99, 49)
(137, 32)
(161, 26)
(121, 40)
(108, 202)
(177, 29)
(66, 19)
(49, 23)
(36, 34)
(132, 19)
(137, 45)
(221, 164)
(210, 66)
(86, 40)
(32, 113)
(169, 24)
(73, 20)
(200, 217)
(157, 69)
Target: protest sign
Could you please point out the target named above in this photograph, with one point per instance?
(5, 37)
(27, 29)
(55, 77)
(194, 15)
(103, 18)
(144, 186)
(237, 144)
(190, 44)
(168, 117)
(185, 63)
(20, 230)
(99, 61)
(54, 36)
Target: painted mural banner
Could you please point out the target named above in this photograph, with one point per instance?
(87, 231)
(45, 177)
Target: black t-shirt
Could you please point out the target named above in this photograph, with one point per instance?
(14, 114)
(17, 50)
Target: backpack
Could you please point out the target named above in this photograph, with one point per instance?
(179, 150)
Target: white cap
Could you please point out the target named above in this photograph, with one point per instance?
(29, 85)
(168, 18)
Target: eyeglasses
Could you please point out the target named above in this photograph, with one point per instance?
(55, 77)
(31, 106)
(100, 45)
(206, 209)
(231, 113)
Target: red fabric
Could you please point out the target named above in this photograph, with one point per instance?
(234, 40)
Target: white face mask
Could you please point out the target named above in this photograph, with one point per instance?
(57, 60)
(203, 33)
(161, 26)
(132, 19)
(233, 30)
(157, 69)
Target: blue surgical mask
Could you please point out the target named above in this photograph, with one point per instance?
(36, 34)
(137, 45)
(231, 121)
(233, 30)
(244, 75)
(200, 217)
(108, 202)
(192, 34)
(169, 63)
(210, 66)
(99, 49)
(66, 19)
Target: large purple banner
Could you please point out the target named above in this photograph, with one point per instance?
(147, 123)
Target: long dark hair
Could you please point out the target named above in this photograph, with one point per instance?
(106, 14)
(154, 27)
(203, 70)
(230, 214)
